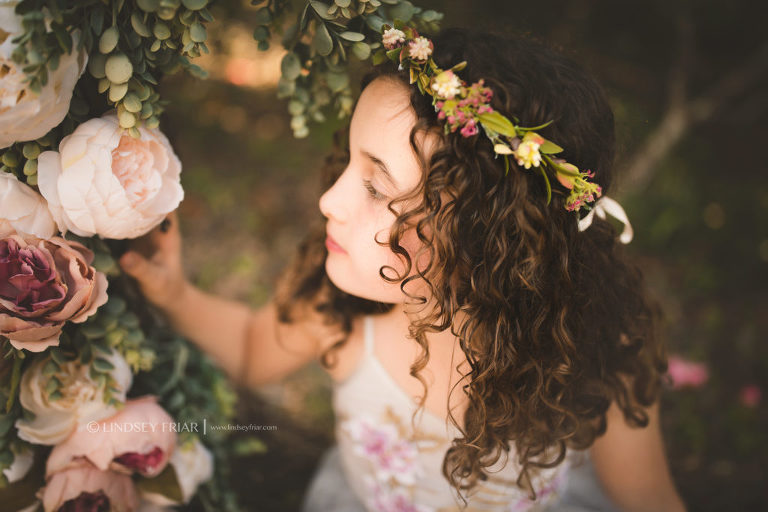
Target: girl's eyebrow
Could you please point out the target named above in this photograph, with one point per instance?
(382, 167)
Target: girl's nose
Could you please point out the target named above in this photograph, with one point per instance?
(333, 204)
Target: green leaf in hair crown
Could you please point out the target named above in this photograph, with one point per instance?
(466, 108)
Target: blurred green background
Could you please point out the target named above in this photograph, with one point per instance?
(688, 82)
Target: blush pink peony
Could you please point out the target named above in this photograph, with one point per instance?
(140, 438)
(104, 182)
(81, 486)
(23, 209)
(43, 285)
(25, 115)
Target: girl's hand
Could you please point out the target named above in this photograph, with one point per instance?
(154, 260)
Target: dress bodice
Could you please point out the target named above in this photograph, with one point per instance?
(394, 460)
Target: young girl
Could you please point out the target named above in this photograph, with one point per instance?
(487, 348)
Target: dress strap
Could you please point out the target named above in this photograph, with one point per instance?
(368, 334)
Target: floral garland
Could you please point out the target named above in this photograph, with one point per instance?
(83, 355)
(464, 107)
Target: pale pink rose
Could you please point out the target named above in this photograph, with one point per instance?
(23, 209)
(43, 285)
(25, 115)
(82, 486)
(686, 373)
(104, 182)
(138, 438)
(81, 398)
(750, 395)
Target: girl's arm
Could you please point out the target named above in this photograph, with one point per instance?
(251, 346)
(631, 465)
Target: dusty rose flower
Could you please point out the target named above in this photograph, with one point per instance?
(104, 182)
(82, 486)
(138, 438)
(25, 115)
(686, 373)
(43, 284)
(82, 399)
(23, 209)
(750, 395)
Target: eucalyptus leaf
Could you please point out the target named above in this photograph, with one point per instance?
(337, 81)
(321, 9)
(139, 26)
(352, 36)
(197, 32)
(322, 41)
(290, 66)
(102, 365)
(262, 16)
(361, 50)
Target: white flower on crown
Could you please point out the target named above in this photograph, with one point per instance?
(447, 85)
(25, 115)
(420, 49)
(393, 38)
(81, 401)
(104, 182)
(23, 209)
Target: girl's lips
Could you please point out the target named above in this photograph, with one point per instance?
(331, 244)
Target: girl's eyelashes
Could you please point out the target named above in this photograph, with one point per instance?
(375, 194)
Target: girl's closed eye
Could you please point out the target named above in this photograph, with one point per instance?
(375, 194)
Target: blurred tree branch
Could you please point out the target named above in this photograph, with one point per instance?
(683, 113)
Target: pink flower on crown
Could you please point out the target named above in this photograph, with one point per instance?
(420, 49)
(446, 85)
(393, 38)
(527, 153)
(469, 129)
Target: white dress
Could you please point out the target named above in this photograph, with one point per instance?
(384, 462)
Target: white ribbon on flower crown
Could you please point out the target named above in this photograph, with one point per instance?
(606, 205)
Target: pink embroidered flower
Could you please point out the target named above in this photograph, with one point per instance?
(393, 38)
(420, 49)
(750, 396)
(446, 85)
(527, 153)
(686, 373)
(392, 456)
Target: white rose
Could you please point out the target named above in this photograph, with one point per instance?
(193, 465)
(23, 209)
(82, 399)
(104, 182)
(25, 115)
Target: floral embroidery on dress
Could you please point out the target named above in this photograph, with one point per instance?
(395, 462)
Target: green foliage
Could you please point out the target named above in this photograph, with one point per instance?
(315, 74)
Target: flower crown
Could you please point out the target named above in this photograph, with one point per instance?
(465, 107)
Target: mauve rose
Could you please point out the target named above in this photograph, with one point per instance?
(138, 438)
(82, 487)
(104, 182)
(43, 285)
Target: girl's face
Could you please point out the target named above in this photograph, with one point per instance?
(382, 166)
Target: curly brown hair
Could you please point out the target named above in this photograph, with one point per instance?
(558, 323)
